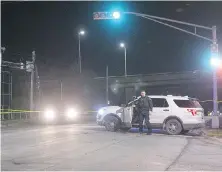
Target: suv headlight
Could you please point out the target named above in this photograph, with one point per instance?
(101, 112)
(49, 114)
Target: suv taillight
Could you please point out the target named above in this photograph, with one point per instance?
(192, 111)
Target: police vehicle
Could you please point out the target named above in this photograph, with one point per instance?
(174, 114)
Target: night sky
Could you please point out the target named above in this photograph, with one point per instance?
(50, 28)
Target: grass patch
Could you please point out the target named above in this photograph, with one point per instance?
(215, 133)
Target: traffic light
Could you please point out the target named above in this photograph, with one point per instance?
(29, 66)
(214, 48)
(106, 15)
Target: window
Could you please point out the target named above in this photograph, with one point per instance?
(197, 104)
(160, 102)
(187, 103)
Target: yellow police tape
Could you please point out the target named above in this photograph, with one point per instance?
(211, 101)
(8, 111)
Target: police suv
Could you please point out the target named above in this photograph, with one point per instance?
(174, 114)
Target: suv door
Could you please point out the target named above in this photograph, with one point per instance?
(161, 111)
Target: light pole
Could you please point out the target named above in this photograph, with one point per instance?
(122, 45)
(216, 63)
(81, 33)
(107, 85)
(215, 59)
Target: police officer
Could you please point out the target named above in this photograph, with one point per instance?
(145, 105)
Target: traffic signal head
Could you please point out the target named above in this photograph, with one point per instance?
(215, 62)
(116, 15)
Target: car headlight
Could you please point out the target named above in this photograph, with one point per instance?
(72, 113)
(49, 114)
(101, 111)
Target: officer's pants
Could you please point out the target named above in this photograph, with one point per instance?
(146, 117)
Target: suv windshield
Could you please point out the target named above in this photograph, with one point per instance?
(187, 103)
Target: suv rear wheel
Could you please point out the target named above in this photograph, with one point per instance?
(112, 123)
(173, 127)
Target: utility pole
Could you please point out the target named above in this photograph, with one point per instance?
(38, 86)
(2, 51)
(32, 81)
(107, 85)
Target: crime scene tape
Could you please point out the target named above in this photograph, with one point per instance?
(8, 111)
(220, 101)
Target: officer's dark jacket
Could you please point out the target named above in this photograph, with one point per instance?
(145, 104)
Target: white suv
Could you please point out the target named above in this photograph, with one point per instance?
(174, 114)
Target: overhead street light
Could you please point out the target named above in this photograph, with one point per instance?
(81, 33)
(122, 45)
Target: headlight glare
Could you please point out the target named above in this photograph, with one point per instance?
(101, 111)
(71, 113)
(49, 114)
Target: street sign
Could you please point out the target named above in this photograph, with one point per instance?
(104, 15)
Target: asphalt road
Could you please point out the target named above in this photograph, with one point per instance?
(90, 147)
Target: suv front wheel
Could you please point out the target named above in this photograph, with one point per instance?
(112, 123)
(173, 127)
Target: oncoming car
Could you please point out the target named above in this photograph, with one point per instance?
(174, 114)
(60, 113)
